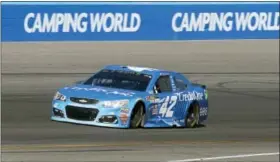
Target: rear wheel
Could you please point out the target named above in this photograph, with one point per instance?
(137, 116)
(192, 118)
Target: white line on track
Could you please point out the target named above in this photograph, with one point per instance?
(225, 157)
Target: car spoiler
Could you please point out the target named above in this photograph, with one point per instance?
(200, 85)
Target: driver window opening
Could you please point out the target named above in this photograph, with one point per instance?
(163, 84)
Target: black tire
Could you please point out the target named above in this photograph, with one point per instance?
(192, 118)
(137, 116)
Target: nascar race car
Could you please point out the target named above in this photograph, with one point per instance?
(130, 97)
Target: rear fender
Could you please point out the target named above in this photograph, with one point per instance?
(190, 105)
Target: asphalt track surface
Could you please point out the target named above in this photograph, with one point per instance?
(243, 115)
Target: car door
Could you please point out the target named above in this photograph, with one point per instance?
(166, 98)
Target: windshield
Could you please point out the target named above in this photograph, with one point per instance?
(120, 79)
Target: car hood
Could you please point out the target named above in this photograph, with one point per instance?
(101, 93)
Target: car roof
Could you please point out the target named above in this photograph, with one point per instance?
(145, 70)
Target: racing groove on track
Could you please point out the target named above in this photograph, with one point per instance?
(244, 118)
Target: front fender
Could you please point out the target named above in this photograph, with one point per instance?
(137, 100)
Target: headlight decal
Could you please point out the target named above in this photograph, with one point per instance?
(59, 96)
(115, 104)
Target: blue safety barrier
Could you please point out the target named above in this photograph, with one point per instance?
(48, 21)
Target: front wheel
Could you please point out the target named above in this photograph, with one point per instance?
(192, 117)
(137, 116)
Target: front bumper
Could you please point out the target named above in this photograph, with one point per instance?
(54, 118)
(104, 117)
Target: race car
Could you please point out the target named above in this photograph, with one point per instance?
(131, 97)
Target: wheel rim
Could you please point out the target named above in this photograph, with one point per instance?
(136, 117)
(192, 119)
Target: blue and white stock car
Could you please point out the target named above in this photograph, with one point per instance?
(130, 97)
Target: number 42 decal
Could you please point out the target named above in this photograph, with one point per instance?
(166, 110)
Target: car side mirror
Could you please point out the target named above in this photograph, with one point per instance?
(155, 90)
